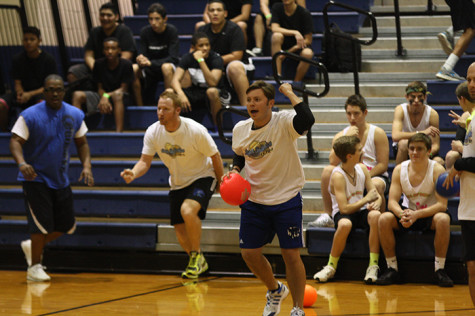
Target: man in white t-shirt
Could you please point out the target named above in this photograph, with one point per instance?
(415, 117)
(266, 144)
(422, 209)
(195, 167)
(465, 169)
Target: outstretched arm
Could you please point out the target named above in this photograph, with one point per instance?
(140, 168)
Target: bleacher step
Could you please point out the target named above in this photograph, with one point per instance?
(414, 21)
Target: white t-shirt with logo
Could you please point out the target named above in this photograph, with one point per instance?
(273, 167)
(186, 152)
(467, 180)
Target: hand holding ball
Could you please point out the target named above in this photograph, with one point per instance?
(234, 189)
(442, 191)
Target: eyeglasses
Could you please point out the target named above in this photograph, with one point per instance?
(53, 90)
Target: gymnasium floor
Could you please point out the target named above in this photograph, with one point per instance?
(140, 294)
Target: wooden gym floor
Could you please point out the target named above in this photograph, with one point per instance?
(141, 294)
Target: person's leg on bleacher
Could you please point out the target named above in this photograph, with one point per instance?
(236, 74)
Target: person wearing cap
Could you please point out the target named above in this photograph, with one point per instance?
(415, 117)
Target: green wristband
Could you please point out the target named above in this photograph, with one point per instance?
(268, 16)
(199, 60)
(105, 94)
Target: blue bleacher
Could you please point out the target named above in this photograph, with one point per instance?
(96, 202)
(89, 235)
(197, 6)
(414, 245)
(185, 24)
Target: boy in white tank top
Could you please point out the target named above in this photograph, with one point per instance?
(350, 208)
(415, 117)
(422, 209)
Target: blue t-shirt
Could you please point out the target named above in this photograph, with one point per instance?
(51, 135)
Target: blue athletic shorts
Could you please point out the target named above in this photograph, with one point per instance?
(260, 223)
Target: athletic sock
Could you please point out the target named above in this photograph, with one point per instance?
(333, 262)
(373, 259)
(439, 263)
(451, 62)
(392, 263)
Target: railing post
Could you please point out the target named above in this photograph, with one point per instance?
(400, 50)
(59, 34)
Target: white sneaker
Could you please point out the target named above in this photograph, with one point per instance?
(37, 274)
(297, 311)
(324, 220)
(371, 274)
(26, 247)
(274, 298)
(325, 274)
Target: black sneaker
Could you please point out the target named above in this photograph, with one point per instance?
(443, 279)
(390, 276)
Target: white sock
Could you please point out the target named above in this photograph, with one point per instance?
(392, 263)
(451, 62)
(450, 30)
(439, 263)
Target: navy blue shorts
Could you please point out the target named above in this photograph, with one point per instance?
(200, 191)
(260, 223)
(468, 236)
(48, 210)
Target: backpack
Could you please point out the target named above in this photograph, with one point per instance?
(337, 51)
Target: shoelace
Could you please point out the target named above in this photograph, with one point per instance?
(193, 261)
(274, 298)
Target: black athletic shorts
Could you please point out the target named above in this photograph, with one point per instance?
(358, 219)
(200, 191)
(48, 210)
(468, 236)
(462, 13)
(197, 97)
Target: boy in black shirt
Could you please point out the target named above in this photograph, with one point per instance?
(227, 39)
(29, 70)
(159, 51)
(93, 50)
(205, 68)
(113, 75)
(292, 31)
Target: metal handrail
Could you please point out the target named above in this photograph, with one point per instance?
(321, 67)
(311, 154)
(219, 121)
(349, 37)
(401, 51)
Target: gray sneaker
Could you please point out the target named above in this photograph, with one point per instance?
(297, 311)
(446, 40)
(224, 97)
(324, 220)
(449, 75)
